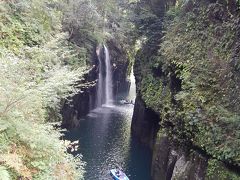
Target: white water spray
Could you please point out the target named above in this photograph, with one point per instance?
(105, 84)
(108, 80)
(132, 91)
(100, 91)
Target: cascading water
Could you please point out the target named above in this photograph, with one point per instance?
(108, 80)
(104, 86)
(105, 133)
(132, 91)
(100, 95)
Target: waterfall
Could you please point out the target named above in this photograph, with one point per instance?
(132, 90)
(108, 82)
(104, 86)
(100, 95)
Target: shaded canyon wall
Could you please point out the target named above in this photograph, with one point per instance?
(176, 152)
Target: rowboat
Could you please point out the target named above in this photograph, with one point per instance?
(118, 174)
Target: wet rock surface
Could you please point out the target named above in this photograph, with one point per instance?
(172, 163)
(144, 123)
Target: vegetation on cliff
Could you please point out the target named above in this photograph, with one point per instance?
(205, 55)
(190, 75)
(46, 47)
(187, 70)
(35, 76)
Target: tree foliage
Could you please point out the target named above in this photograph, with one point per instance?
(207, 64)
(190, 75)
(37, 72)
(94, 22)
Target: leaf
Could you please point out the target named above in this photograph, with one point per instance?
(4, 175)
(3, 127)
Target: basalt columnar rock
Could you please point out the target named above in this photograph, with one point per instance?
(172, 162)
(187, 79)
(145, 123)
(80, 104)
(120, 67)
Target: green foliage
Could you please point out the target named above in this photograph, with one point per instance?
(4, 173)
(202, 55)
(90, 23)
(217, 170)
(193, 80)
(153, 89)
(38, 69)
(26, 23)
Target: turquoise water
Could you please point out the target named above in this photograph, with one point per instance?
(106, 141)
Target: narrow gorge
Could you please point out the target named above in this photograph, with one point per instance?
(174, 131)
(181, 88)
(120, 89)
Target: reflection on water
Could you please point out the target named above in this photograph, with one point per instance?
(105, 141)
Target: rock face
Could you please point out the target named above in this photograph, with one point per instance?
(163, 161)
(120, 68)
(173, 163)
(144, 123)
(79, 105)
(192, 167)
(178, 151)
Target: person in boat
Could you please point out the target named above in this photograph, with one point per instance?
(118, 173)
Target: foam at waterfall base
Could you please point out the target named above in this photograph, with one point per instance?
(106, 108)
(108, 105)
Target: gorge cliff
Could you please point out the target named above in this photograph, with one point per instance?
(187, 76)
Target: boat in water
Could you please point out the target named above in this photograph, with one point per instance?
(118, 174)
(126, 102)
